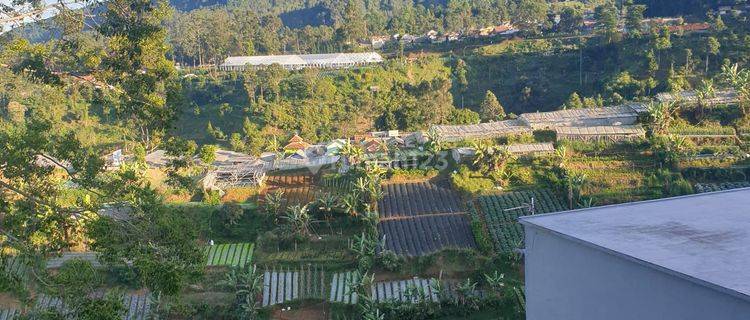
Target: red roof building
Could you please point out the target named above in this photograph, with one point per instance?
(296, 143)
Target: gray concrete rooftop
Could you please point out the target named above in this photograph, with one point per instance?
(703, 238)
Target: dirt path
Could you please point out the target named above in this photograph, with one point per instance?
(308, 312)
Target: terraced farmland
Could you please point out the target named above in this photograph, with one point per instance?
(417, 198)
(426, 234)
(297, 189)
(15, 267)
(9, 314)
(297, 284)
(231, 255)
(137, 305)
(501, 213)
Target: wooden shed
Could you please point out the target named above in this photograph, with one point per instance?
(608, 133)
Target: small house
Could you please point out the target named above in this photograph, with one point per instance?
(296, 143)
(333, 147)
(504, 30)
(374, 146)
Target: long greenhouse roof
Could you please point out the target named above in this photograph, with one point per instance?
(304, 59)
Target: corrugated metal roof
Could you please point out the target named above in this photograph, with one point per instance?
(602, 130)
(482, 130)
(575, 114)
(691, 96)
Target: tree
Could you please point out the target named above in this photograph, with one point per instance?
(634, 19)
(354, 25)
(571, 20)
(253, 141)
(137, 66)
(606, 15)
(464, 116)
(458, 15)
(491, 109)
(531, 13)
(662, 41)
(268, 40)
(661, 115)
(180, 154)
(459, 76)
(574, 102)
(235, 141)
(718, 24)
(651, 63)
(246, 284)
(705, 92)
(712, 48)
(207, 154)
(739, 80)
(352, 153)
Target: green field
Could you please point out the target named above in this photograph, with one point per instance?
(233, 255)
(501, 213)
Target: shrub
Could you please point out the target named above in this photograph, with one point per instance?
(388, 260)
(230, 214)
(470, 182)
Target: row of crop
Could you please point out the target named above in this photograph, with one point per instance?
(409, 199)
(337, 182)
(235, 254)
(702, 131)
(501, 213)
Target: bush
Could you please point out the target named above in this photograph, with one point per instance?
(480, 235)
(230, 214)
(388, 260)
(470, 182)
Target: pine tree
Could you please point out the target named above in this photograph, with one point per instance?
(574, 102)
(491, 109)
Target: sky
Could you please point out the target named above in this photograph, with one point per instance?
(51, 12)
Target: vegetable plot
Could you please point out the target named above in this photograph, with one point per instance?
(417, 198)
(501, 213)
(424, 235)
(235, 254)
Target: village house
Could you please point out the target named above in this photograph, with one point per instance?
(504, 30)
(690, 27)
(378, 42)
(296, 143)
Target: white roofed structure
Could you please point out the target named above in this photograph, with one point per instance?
(611, 133)
(690, 97)
(488, 130)
(297, 62)
(607, 116)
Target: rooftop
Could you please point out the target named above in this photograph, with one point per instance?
(703, 238)
(304, 59)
